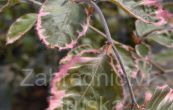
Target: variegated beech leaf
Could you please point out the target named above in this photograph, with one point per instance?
(160, 34)
(86, 82)
(162, 99)
(146, 10)
(22, 25)
(60, 24)
(132, 61)
(128, 55)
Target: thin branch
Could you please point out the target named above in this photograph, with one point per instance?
(98, 31)
(115, 52)
(104, 35)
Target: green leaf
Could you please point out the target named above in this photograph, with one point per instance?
(22, 25)
(164, 38)
(143, 28)
(86, 82)
(159, 34)
(143, 50)
(134, 8)
(161, 100)
(58, 23)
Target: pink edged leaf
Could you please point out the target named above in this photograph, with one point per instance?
(162, 99)
(55, 101)
(79, 50)
(22, 25)
(87, 81)
(148, 11)
(60, 24)
(160, 34)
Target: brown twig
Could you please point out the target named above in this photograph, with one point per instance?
(115, 52)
